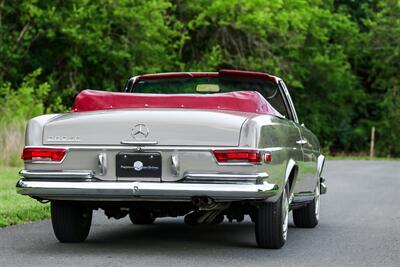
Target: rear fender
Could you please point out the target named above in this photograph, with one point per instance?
(34, 129)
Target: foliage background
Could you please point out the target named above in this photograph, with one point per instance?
(339, 58)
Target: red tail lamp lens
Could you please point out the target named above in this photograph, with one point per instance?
(232, 155)
(43, 154)
(267, 158)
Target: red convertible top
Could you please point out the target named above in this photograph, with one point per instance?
(244, 101)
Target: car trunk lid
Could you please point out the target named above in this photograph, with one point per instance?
(169, 127)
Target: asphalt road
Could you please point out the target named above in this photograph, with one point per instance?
(359, 226)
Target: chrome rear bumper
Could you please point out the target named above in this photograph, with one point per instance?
(83, 185)
(131, 191)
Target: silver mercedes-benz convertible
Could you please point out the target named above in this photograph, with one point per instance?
(204, 145)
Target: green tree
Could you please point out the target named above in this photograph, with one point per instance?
(304, 42)
(85, 44)
(339, 58)
(382, 42)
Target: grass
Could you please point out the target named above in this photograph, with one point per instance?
(15, 208)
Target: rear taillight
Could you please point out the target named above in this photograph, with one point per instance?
(43, 154)
(238, 155)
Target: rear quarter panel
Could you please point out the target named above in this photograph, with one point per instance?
(278, 137)
(308, 170)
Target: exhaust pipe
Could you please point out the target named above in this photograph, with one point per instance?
(202, 201)
(206, 201)
(196, 201)
(208, 211)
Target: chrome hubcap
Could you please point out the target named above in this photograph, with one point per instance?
(285, 214)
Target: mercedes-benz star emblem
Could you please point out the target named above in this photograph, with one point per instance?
(140, 132)
(138, 166)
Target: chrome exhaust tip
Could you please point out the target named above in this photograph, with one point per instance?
(202, 201)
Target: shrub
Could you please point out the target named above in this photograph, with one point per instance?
(19, 105)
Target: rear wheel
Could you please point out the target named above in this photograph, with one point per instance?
(139, 216)
(271, 222)
(219, 219)
(71, 221)
(308, 216)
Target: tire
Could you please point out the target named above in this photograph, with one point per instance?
(308, 216)
(141, 217)
(218, 220)
(71, 221)
(271, 223)
(191, 218)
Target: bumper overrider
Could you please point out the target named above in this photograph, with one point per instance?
(83, 186)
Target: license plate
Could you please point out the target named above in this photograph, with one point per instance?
(138, 165)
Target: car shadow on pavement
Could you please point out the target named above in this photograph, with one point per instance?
(166, 237)
(163, 237)
(170, 234)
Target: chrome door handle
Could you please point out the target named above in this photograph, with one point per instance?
(301, 142)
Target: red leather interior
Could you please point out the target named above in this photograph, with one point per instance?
(244, 101)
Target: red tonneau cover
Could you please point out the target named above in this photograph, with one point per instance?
(244, 101)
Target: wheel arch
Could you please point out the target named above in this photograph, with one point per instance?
(291, 174)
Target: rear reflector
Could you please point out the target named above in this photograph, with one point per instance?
(233, 155)
(43, 154)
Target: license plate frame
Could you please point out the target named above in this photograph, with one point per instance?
(138, 165)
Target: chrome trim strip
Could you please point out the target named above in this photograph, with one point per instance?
(193, 176)
(103, 191)
(320, 164)
(57, 174)
(216, 176)
(225, 178)
(301, 142)
(289, 99)
(238, 163)
(150, 148)
(127, 142)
